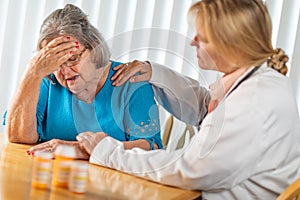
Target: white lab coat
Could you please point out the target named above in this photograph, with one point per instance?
(247, 148)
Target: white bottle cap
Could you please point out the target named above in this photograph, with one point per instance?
(43, 154)
(65, 150)
(80, 165)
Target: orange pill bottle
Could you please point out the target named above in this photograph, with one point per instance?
(64, 155)
(42, 170)
(78, 177)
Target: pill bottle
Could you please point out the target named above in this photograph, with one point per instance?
(42, 170)
(64, 155)
(78, 177)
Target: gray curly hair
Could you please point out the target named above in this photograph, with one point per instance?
(72, 21)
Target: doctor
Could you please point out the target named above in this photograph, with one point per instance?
(248, 143)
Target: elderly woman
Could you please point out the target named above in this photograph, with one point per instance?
(248, 143)
(78, 96)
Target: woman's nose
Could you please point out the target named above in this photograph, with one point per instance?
(65, 69)
(194, 42)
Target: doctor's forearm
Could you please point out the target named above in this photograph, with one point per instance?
(143, 144)
(180, 95)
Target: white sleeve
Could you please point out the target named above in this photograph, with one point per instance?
(236, 145)
(212, 160)
(198, 166)
(177, 168)
(180, 95)
(207, 163)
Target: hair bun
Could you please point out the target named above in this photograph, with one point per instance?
(278, 61)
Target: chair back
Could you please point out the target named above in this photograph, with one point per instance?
(175, 133)
(292, 192)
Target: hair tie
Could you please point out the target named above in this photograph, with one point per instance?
(278, 61)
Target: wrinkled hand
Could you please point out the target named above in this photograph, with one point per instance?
(53, 55)
(128, 71)
(52, 144)
(89, 140)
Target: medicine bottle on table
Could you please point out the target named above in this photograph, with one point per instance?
(64, 155)
(42, 170)
(78, 177)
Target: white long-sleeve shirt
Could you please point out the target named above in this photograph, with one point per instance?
(247, 148)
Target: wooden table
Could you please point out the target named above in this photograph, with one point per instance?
(103, 183)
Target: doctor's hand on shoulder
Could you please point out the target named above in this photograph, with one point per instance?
(135, 71)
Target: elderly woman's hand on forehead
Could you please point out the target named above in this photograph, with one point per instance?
(89, 140)
(53, 54)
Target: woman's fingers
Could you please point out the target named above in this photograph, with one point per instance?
(119, 70)
(49, 146)
(41, 147)
(62, 50)
(119, 66)
(54, 54)
(80, 152)
(84, 143)
(64, 55)
(46, 146)
(53, 144)
(124, 73)
(139, 78)
(89, 140)
(59, 40)
(56, 46)
(135, 71)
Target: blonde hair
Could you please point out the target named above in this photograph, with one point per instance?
(241, 30)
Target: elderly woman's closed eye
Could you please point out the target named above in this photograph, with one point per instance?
(75, 59)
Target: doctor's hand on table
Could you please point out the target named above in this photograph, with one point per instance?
(85, 145)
